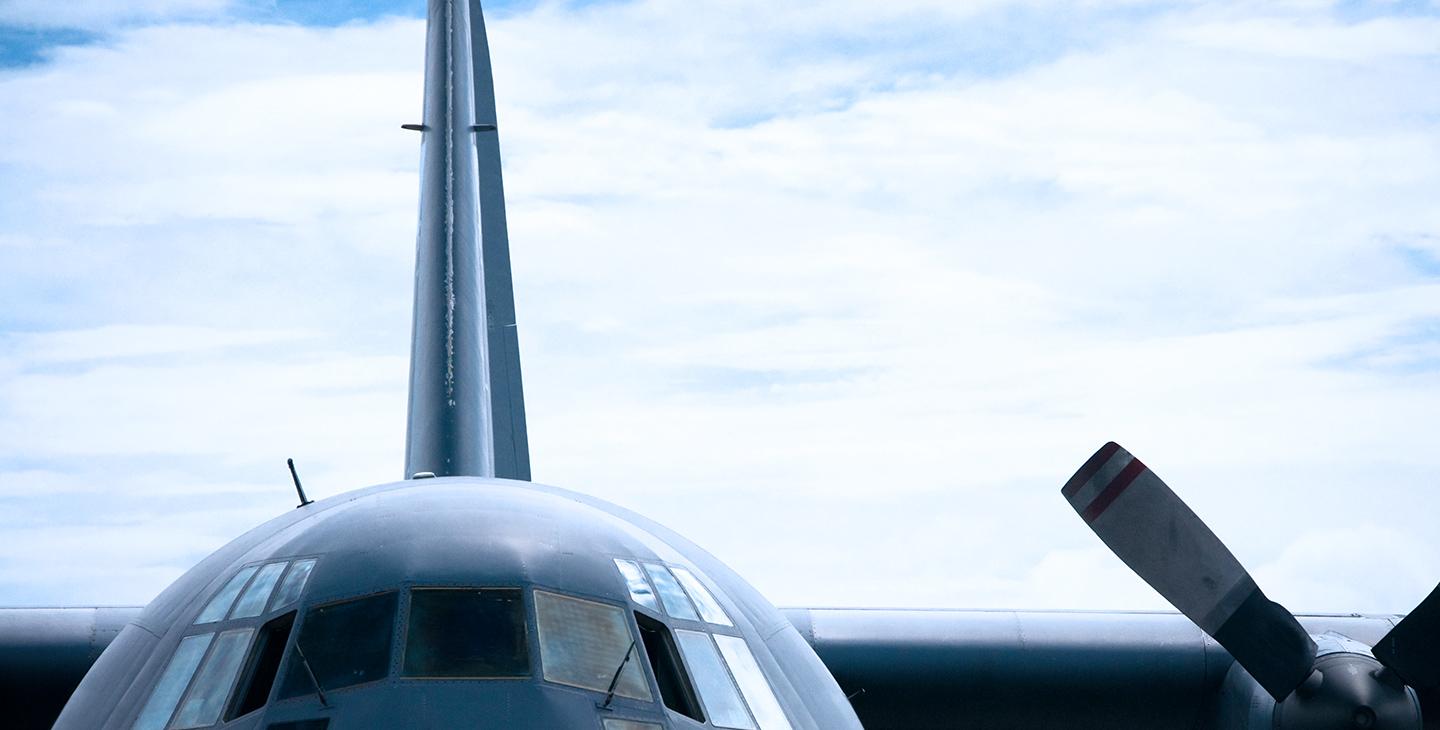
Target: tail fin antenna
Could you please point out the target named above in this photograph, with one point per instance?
(467, 405)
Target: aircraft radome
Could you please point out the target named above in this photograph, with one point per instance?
(465, 595)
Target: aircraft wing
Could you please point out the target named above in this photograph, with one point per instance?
(911, 669)
(917, 669)
(44, 652)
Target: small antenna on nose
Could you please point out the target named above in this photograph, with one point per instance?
(299, 489)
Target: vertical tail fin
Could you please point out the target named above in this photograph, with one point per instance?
(467, 406)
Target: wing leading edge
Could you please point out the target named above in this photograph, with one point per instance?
(918, 669)
(45, 652)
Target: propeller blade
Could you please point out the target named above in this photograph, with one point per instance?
(1161, 539)
(1412, 648)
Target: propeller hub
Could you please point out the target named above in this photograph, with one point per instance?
(1346, 691)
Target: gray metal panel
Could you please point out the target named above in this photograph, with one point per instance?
(457, 532)
(44, 652)
(467, 412)
(955, 669)
(507, 397)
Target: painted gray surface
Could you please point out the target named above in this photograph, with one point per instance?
(1035, 669)
(947, 668)
(467, 411)
(456, 532)
(44, 652)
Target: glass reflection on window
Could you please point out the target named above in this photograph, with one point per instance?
(709, 608)
(615, 723)
(206, 699)
(752, 683)
(294, 583)
(253, 600)
(466, 632)
(220, 604)
(635, 580)
(677, 604)
(346, 643)
(712, 681)
(172, 682)
(584, 644)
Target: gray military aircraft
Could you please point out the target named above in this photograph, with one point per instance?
(466, 596)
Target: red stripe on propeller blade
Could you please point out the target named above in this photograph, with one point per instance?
(1113, 490)
(1088, 470)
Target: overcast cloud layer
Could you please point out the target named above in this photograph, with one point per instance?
(842, 290)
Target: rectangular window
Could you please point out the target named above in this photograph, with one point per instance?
(717, 691)
(294, 583)
(207, 695)
(346, 643)
(753, 684)
(635, 580)
(172, 682)
(262, 666)
(676, 691)
(588, 644)
(218, 606)
(671, 594)
(460, 632)
(252, 601)
(709, 609)
(615, 723)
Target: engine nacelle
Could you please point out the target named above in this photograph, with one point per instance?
(1349, 690)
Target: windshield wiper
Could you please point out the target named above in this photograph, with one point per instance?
(309, 672)
(610, 692)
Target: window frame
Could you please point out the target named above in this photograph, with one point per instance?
(646, 675)
(298, 630)
(253, 660)
(699, 625)
(227, 623)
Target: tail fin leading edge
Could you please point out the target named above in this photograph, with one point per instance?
(467, 405)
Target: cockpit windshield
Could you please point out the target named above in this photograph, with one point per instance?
(588, 644)
(241, 648)
(344, 643)
(466, 632)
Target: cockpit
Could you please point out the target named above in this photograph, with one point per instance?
(659, 652)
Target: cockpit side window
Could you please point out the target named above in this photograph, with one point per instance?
(173, 682)
(467, 632)
(672, 596)
(346, 643)
(257, 594)
(717, 691)
(753, 685)
(710, 673)
(676, 691)
(293, 585)
(219, 606)
(588, 644)
(226, 665)
(262, 666)
(639, 587)
(206, 699)
(709, 608)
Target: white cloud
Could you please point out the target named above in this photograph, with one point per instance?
(835, 299)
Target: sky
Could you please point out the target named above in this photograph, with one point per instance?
(844, 291)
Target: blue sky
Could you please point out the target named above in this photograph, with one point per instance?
(843, 290)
